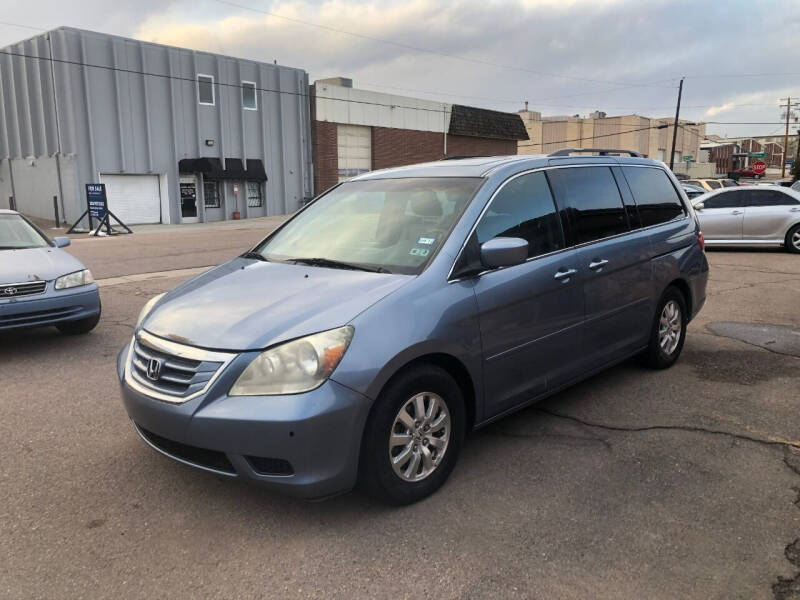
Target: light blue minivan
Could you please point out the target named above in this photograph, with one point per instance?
(361, 341)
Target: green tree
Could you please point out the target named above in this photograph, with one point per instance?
(795, 172)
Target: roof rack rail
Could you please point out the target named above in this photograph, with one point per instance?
(600, 151)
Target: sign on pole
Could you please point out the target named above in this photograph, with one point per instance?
(759, 167)
(688, 158)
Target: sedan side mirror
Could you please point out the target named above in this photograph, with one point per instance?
(699, 206)
(61, 242)
(504, 252)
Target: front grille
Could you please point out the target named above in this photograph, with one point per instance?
(177, 376)
(270, 466)
(201, 457)
(38, 317)
(29, 288)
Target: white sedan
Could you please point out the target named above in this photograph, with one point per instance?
(749, 215)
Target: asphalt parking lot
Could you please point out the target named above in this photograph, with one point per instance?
(635, 484)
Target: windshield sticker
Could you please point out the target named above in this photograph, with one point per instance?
(427, 241)
(419, 252)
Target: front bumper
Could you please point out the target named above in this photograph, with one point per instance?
(54, 306)
(306, 445)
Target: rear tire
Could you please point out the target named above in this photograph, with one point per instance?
(792, 242)
(668, 331)
(405, 455)
(79, 327)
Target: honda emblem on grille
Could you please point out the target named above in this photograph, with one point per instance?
(9, 291)
(154, 369)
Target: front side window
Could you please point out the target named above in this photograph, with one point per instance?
(16, 233)
(211, 194)
(656, 198)
(770, 198)
(205, 89)
(729, 183)
(249, 101)
(713, 184)
(733, 199)
(592, 200)
(253, 194)
(524, 208)
(394, 225)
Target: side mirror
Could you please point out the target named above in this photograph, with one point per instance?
(504, 252)
(699, 206)
(61, 242)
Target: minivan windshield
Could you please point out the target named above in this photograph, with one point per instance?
(382, 225)
(16, 234)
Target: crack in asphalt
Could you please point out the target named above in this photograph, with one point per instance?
(687, 428)
(786, 588)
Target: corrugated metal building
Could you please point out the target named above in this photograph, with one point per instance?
(176, 135)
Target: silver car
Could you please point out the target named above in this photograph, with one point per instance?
(745, 216)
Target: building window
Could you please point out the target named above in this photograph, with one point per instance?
(253, 194)
(211, 194)
(249, 98)
(205, 89)
(354, 150)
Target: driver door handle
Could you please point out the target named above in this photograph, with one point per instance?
(597, 264)
(736, 212)
(565, 275)
(795, 209)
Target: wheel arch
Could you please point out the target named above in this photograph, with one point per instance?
(686, 291)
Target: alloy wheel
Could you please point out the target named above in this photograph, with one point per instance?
(796, 239)
(419, 436)
(669, 327)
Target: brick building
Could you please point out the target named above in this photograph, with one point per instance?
(354, 131)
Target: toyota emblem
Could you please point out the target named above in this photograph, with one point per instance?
(9, 291)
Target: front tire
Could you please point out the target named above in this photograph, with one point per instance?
(792, 243)
(413, 436)
(668, 332)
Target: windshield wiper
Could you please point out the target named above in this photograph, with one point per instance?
(255, 255)
(336, 264)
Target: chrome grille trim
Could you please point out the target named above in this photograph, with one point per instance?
(23, 288)
(188, 372)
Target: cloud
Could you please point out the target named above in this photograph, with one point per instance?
(715, 110)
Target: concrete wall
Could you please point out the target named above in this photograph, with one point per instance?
(134, 110)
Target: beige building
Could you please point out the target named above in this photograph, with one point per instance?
(651, 137)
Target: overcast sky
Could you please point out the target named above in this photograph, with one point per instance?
(563, 56)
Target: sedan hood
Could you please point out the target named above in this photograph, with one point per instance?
(247, 305)
(32, 264)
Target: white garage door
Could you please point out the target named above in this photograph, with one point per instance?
(354, 150)
(134, 199)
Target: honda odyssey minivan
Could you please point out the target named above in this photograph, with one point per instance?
(360, 341)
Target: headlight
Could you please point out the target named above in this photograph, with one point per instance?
(147, 308)
(74, 279)
(297, 366)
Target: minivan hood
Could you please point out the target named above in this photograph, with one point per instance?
(247, 305)
(32, 264)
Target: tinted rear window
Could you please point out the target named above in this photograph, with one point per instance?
(732, 199)
(770, 198)
(655, 196)
(591, 197)
(713, 184)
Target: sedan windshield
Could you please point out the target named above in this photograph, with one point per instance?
(381, 225)
(16, 233)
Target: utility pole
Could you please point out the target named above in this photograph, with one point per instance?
(788, 106)
(675, 126)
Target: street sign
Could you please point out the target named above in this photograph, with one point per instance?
(688, 158)
(759, 167)
(758, 155)
(96, 198)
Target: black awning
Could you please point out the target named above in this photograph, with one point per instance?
(255, 170)
(234, 169)
(210, 167)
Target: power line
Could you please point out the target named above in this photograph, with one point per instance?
(22, 26)
(426, 50)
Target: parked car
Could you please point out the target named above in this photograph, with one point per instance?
(692, 191)
(366, 336)
(710, 185)
(40, 284)
(751, 215)
(748, 172)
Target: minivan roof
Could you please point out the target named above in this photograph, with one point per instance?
(482, 166)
